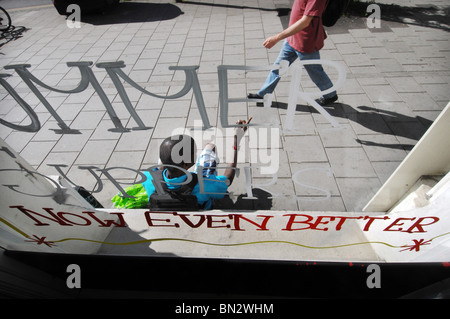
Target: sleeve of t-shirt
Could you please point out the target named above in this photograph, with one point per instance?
(315, 8)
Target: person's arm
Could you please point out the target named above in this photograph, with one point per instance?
(293, 29)
(239, 132)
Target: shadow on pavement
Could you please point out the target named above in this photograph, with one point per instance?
(261, 200)
(134, 12)
(282, 11)
(377, 120)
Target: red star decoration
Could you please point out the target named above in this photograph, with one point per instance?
(417, 244)
(41, 241)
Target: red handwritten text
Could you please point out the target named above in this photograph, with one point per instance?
(234, 222)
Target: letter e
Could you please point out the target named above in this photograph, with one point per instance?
(74, 279)
(374, 280)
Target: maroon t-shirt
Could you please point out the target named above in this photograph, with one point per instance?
(312, 37)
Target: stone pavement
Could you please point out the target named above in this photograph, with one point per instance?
(398, 81)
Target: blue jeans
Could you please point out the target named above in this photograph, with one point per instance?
(315, 71)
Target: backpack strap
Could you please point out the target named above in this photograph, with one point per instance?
(187, 188)
(183, 189)
(176, 200)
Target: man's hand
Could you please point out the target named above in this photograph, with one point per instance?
(239, 132)
(293, 29)
(270, 42)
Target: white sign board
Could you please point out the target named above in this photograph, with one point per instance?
(39, 213)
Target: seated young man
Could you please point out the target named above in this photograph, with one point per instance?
(177, 155)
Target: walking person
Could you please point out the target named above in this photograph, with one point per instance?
(302, 39)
